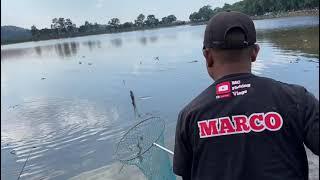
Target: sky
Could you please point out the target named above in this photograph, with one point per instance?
(25, 13)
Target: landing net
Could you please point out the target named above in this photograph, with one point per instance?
(137, 148)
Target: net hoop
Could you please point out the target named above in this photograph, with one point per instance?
(122, 140)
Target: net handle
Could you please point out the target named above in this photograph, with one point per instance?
(163, 148)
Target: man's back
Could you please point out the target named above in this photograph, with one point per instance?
(247, 127)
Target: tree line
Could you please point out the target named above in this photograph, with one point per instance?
(61, 27)
(254, 8)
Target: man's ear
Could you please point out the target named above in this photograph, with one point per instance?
(209, 59)
(254, 52)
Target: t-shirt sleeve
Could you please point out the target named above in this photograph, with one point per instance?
(182, 158)
(311, 122)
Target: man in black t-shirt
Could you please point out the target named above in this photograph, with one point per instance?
(244, 127)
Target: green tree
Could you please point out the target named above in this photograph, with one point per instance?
(195, 17)
(96, 26)
(86, 27)
(87, 24)
(127, 25)
(226, 7)
(82, 28)
(168, 19)
(114, 22)
(151, 21)
(217, 10)
(238, 6)
(311, 3)
(140, 20)
(61, 24)
(205, 12)
(70, 27)
(34, 31)
(46, 33)
(54, 24)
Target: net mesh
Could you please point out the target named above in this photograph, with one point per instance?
(136, 148)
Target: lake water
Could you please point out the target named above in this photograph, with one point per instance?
(66, 103)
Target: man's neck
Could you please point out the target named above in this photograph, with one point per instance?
(226, 73)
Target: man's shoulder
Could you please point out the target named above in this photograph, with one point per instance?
(204, 98)
(281, 86)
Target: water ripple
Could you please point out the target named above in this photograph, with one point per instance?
(45, 128)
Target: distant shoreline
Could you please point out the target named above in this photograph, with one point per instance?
(271, 15)
(312, 12)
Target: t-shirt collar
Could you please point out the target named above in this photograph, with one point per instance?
(231, 76)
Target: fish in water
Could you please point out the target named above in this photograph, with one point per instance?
(80, 62)
(43, 78)
(89, 64)
(156, 58)
(133, 100)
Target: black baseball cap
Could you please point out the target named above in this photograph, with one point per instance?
(229, 30)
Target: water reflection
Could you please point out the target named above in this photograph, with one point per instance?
(15, 53)
(116, 42)
(92, 44)
(74, 47)
(66, 49)
(171, 36)
(62, 50)
(46, 128)
(153, 39)
(38, 50)
(286, 22)
(143, 40)
(303, 39)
